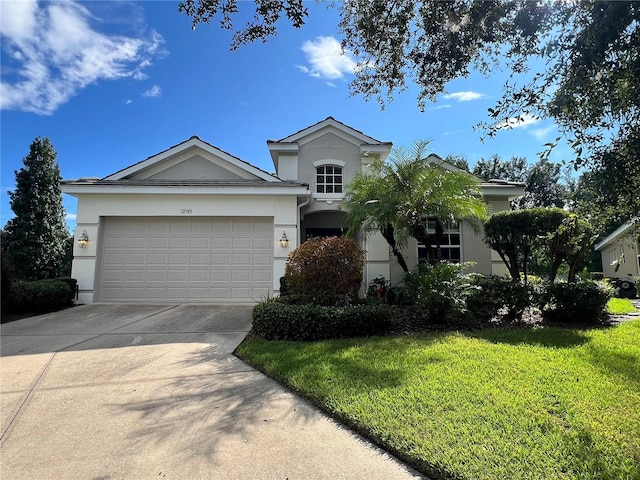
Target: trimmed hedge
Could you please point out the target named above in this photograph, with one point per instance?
(274, 320)
(499, 298)
(567, 303)
(41, 295)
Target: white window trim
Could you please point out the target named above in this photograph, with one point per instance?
(328, 196)
(320, 163)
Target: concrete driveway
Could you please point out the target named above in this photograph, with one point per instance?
(153, 391)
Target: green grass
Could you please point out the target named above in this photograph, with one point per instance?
(502, 404)
(620, 306)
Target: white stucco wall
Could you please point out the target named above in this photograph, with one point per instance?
(627, 246)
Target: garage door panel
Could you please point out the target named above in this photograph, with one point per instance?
(198, 275)
(221, 259)
(202, 259)
(219, 275)
(241, 226)
(179, 242)
(157, 242)
(220, 243)
(156, 259)
(241, 275)
(135, 258)
(241, 259)
(261, 275)
(156, 276)
(200, 242)
(262, 259)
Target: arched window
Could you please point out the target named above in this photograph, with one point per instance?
(328, 179)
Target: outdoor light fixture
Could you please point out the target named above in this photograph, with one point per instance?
(83, 241)
(284, 241)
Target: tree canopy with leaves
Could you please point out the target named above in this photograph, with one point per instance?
(35, 237)
(396, 197)
(589, 82)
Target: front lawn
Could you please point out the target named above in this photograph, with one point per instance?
(516, 404)
(620, 306)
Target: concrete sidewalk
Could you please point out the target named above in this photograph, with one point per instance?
(153, 391)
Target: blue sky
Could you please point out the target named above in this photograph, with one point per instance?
(112, 83)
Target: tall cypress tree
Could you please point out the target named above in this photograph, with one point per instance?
(36, 235)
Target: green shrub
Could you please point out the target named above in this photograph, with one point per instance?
(8, 276)
(440, 288)
(569, 303)
(327, 270)
(494, 297)
(41, 295)
(381, 291)
(275, 320)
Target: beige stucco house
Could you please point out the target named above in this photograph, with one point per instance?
(621, 248)
(197, 224)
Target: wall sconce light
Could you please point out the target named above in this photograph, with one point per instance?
(83, 241)
(284, 241)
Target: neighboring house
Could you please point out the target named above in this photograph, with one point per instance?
(197, 224)
(621, 249)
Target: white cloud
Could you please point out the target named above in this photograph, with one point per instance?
(56, 53)
(154, 91)
(70, 217)
(326, 59)
(543, 133)
(440, 107)
(518, 122)
(464, 96)
(128, 101)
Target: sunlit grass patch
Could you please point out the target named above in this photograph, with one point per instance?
(620, 306)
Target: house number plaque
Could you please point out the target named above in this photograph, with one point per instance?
(186, 211)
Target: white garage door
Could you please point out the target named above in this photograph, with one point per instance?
(186, 260)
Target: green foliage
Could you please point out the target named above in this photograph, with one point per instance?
(279, 321)
(396, 197)
(511, 234)
(494, 298)
(588, 83)
(440, 288)
(381, 291)
(327, 270)
(263, 25)
(607, 194)
(35, 237)
(41, 295)
(574, 303)
(570, 241)
(553, 232)
(7, 280)
(514, 170)
(543, 187)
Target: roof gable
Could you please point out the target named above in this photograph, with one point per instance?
(617, 233)
(192, 159)
(329, 124)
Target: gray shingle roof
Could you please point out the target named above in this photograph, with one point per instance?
(138, 182)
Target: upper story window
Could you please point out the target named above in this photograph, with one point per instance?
(328, 179)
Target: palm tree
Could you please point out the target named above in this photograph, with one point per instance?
(396, 197)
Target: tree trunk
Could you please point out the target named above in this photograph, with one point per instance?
(388, 235)
(555, 265)
(439, 234)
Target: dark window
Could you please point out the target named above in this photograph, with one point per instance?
(449, 244)
(329, 179)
